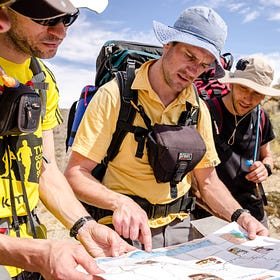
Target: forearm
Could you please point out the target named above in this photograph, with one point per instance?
(29, 254)
(58, 197)
(266, 154)
(268, 160)
(54, 190)
(215, 194)
(221, 202)
(91, 191)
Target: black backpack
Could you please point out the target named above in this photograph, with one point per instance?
(121, 57)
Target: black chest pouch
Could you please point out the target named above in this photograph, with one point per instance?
(20, 110)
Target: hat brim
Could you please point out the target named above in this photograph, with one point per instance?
(6, 2)
(97, 6)
(166, 34)
(230, 79)
(43, 9)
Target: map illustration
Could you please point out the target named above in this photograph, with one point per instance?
(225, 254)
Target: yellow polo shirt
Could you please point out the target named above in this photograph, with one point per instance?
(127, 174)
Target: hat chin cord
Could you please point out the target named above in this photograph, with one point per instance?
(231, 139)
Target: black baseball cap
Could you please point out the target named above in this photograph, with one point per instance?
(43, 9)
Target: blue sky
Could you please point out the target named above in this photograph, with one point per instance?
(253, 28)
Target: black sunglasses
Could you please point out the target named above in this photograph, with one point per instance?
(67, 20)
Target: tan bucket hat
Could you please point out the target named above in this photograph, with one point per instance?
(253, 72)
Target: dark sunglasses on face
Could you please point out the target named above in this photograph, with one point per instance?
(67, 20)
(6, 3)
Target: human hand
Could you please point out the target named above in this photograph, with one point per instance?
(101, 241)
(252, 225)
(60, 260)
(131, 221)
(258, 172)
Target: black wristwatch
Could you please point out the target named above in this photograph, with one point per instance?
(268, 168)
(236, 214)
(74, 230)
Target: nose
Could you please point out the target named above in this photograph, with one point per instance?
(195, 69)
(249, 96)
(58, 30)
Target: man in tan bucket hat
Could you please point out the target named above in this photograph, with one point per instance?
(242, 132)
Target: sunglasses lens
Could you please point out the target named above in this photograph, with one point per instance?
(52, 22)
(67, 20)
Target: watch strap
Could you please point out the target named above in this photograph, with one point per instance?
(75, 228)
(268, 168)
(236, 214)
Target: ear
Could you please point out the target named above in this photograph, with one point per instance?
(167, 46)
(4, 20)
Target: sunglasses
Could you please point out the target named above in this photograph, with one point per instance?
(6, 3)
(67, 20)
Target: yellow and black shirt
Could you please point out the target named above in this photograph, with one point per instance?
(23, 153)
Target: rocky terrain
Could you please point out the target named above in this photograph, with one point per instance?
(271, 186)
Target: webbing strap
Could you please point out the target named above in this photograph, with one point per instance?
(39, 83)
(12, 196)
(16, 221)
(127, 111)
(188, 117)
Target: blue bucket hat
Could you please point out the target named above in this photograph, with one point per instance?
(198, 26)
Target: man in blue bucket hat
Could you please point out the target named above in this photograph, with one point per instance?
(142, 209)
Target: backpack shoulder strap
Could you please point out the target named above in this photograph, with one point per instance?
(215, 110)
(127, 111)
(263, 119)
(190, 116)
(38, 82)
(196, 109)
(262, 123)
(71, 117)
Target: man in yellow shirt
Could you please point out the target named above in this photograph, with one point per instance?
(141, 207)
(37, 29)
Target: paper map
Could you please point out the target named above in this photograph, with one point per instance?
(225, 254)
